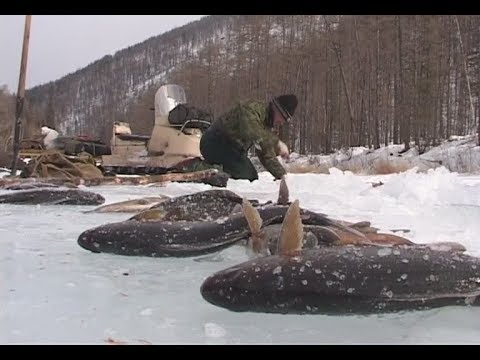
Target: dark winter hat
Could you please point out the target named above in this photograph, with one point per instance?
(286, 104)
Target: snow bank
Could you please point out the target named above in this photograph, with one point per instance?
(459, 154)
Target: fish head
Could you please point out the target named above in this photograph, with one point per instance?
(262, 284)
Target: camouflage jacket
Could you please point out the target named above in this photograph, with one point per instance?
(245, 126)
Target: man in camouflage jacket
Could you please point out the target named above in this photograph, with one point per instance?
(227, 141)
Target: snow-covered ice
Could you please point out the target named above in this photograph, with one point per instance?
(53, 291)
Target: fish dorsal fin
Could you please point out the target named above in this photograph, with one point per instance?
(291, 235)
(258, 243)
(283, 193)
(253, 217)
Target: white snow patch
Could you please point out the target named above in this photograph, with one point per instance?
(214, 330)
(146, 312)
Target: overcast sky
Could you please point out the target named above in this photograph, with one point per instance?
(61, 44)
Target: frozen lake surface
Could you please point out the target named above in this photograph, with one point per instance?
(54, 292)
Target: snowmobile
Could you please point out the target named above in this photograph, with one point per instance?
(174, 141)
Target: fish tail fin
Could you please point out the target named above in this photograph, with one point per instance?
(258, 241)
(283, 192)
(291, 234)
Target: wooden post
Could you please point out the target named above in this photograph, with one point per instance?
(20, 95)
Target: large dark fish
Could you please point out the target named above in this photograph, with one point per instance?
(163, 239)
(166, 238)
(206, 205)
(341, 279)
(345, 280)
(52, 196)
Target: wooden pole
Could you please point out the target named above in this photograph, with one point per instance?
(20, 95)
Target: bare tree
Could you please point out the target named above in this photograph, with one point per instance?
(467, 78)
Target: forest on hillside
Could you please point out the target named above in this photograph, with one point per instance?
(361, 80)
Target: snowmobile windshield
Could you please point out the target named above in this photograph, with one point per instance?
(167, 97)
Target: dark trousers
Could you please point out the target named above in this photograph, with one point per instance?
(217, 149)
